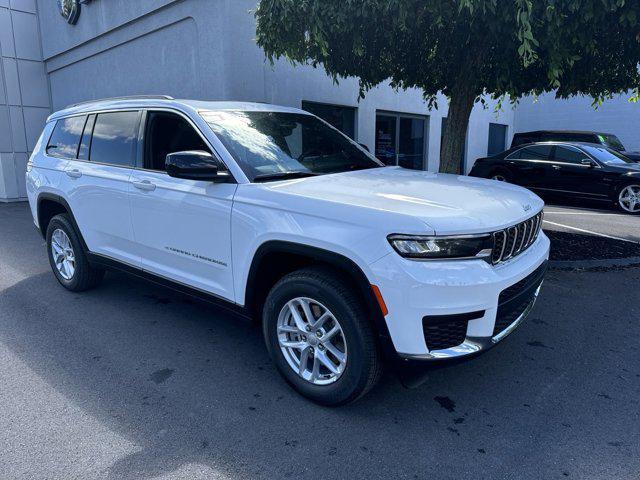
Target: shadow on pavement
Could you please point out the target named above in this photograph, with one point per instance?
(189, 384)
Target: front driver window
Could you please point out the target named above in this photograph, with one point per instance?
(168, 133)
(568, 155)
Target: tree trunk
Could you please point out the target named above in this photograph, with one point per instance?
(454, 140)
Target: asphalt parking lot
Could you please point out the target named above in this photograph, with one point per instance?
(135, 381)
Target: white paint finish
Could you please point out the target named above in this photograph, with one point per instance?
(444, 204)
(182, 230)
(206, 235)
(99, 200)
(412, 290)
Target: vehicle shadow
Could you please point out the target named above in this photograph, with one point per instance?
(189, 384)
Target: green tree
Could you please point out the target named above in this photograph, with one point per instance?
(463, 48)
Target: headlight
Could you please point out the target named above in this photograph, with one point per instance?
(439, 248)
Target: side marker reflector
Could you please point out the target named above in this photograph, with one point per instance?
(383, 306)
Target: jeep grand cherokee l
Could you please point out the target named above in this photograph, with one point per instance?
(274, 214)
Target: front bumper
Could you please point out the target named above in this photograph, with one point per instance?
(415, 291)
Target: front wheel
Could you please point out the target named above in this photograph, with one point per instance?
(500, 176)
(629, 199)
(319, 336)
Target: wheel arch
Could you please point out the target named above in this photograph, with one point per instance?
(48, 206)
(275, 258)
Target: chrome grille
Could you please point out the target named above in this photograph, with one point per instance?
(512, 241)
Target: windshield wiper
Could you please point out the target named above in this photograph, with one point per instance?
(265, 177)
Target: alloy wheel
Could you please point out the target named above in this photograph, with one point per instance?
(312, 341)
(63, 255)
(499, 178)
(629, 198)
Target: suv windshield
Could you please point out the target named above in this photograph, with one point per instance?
(278, 145)
(606, 155)
(612, 142)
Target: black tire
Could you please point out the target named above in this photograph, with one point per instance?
(617, 198)
(363, 365)
(503, 174)
(85, 276)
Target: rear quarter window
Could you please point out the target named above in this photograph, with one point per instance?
(65, 138)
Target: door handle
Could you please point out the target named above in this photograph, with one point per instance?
(144, 185)
(556, 167)
(75, 173)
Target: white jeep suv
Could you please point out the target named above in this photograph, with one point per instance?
(274, 214)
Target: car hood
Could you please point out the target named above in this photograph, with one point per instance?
(449, 204)
(635, 156)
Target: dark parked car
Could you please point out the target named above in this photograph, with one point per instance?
(569, 169)
(606, 139)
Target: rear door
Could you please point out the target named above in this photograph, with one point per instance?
(98, 183)
(530, 165)
(571, 176)
(182, 227)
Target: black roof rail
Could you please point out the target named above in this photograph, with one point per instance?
(129, 97)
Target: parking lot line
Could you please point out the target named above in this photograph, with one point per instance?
(590, 232)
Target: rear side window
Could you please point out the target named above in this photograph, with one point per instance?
(535, 152)
(115, 137)
(85, 143)
(65, 138)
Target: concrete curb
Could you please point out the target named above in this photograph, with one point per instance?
(595, 264)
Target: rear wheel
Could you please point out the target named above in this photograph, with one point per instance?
(67, 258)
(629, 199)
(319, 336)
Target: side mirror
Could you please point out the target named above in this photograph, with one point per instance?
(195, 165)
(588, 162)
(365, 147)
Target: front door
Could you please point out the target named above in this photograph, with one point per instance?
(572, 177)
(182, 227)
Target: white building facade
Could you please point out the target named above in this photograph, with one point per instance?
(205, 49)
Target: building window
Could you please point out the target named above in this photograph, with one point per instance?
(401, 140)
(342, 118)
(497, 139)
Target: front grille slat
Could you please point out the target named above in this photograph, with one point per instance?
(512, 241)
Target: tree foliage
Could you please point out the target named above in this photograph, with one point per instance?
(462, 48)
